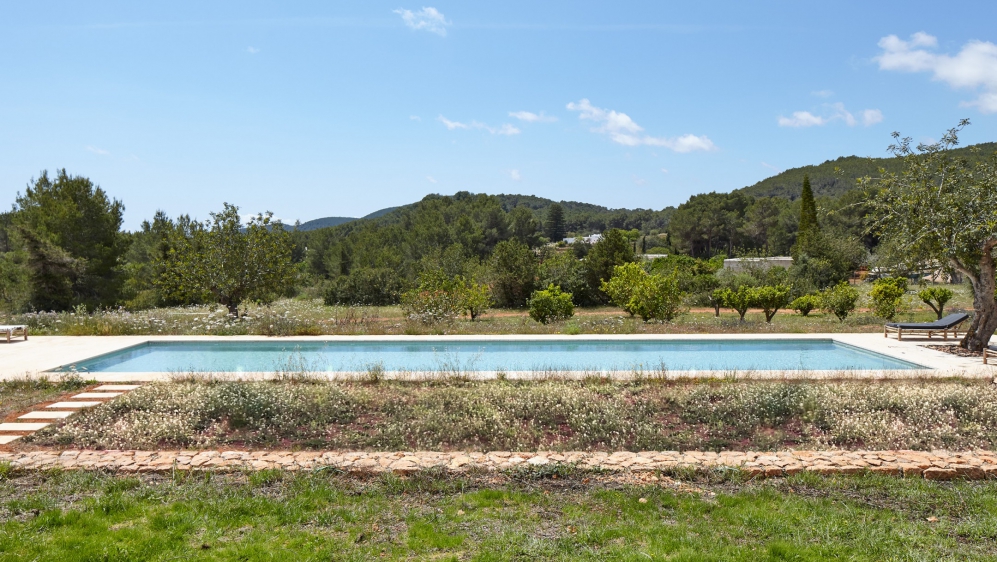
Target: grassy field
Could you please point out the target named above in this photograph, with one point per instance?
(593, 414)
(291, 317)
(515, 516)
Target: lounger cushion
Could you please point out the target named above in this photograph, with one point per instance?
(943, 324)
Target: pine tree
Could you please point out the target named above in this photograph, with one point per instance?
(554, 225)
(808, 209)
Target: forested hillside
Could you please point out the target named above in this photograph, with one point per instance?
(835, 177)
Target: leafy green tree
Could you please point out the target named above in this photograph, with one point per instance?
(739, 299)
(476, 298)
(888, 296)
(221, 261)
(944, 208)
(839, 300)
(770, 299)
(611, 250)
(566, 271)
(554, 224)
(808, 209)
(373, 286)
(72, 236)
(14, 288)
(824, 259)
(141, 270)
(550, 305)
(523, 226)
(936, 298)
(621, 286)
(514, 272)
(805, 304)
(656, 297)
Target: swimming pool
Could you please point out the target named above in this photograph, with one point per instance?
(491, 356)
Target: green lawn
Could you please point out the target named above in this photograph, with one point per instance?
(324, 516)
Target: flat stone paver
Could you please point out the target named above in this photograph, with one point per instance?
(83, 404)
(101, 395)
(4, 439)
(125, 387)
(17, 426)
(45, 415)
(931, 465)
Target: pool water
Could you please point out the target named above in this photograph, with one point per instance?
(480, 355)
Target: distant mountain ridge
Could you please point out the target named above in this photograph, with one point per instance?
(835, 177)
(831, 178)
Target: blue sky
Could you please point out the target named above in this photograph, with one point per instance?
(313, 109)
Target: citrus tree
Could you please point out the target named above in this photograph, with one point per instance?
(941, 208)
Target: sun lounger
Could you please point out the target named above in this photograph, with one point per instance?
(13, 331)
(949, 324)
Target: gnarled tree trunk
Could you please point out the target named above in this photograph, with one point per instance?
(984, 322)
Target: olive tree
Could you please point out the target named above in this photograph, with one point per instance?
(222, 261)
(941, 208)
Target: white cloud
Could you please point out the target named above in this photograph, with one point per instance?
(415, 117)
(427, 19)
(252, 50)
(505, 129)
(771, 167)
(822, 93)
(974, 67)
(97, 151)
(530, 117)
(621, 129)
(431, 179)
(871, 117)
(664, 170)
(834, 111)
(451, 125)
(801, 119)
(639, 181)
(514, 174)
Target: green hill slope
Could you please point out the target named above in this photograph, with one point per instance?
(835, 177)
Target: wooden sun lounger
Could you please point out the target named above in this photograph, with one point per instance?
(13, 331)
(945, 326)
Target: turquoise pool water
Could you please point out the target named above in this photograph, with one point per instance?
(481, 355)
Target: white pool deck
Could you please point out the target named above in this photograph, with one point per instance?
(42, 354)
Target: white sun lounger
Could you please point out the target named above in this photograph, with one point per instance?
(19, 329)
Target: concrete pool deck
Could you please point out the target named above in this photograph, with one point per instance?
(40, 355)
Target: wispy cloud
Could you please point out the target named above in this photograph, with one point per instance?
(974, 67)
(505, 129)
(431, 179)
(871, 117)
(822, 93)
(252, 50)
(97, 151)
(514, 174)
(639, 181)
(530, 117)
(415, 117)
(771, 167)
(833, 112)
(621, 129)
(664, 170)
(427, 19)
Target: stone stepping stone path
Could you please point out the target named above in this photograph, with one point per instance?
(14, 430)
(929, 465)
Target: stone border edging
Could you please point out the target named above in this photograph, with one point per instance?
(933, 465)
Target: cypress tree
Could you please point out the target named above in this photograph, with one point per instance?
(554, 225)
(808, 208)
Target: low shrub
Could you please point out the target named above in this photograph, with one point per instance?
(887, 296)
(805, 304)
(839, 300)
(550, 305)
(656, 297)
(770, 299)
(739, 299)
